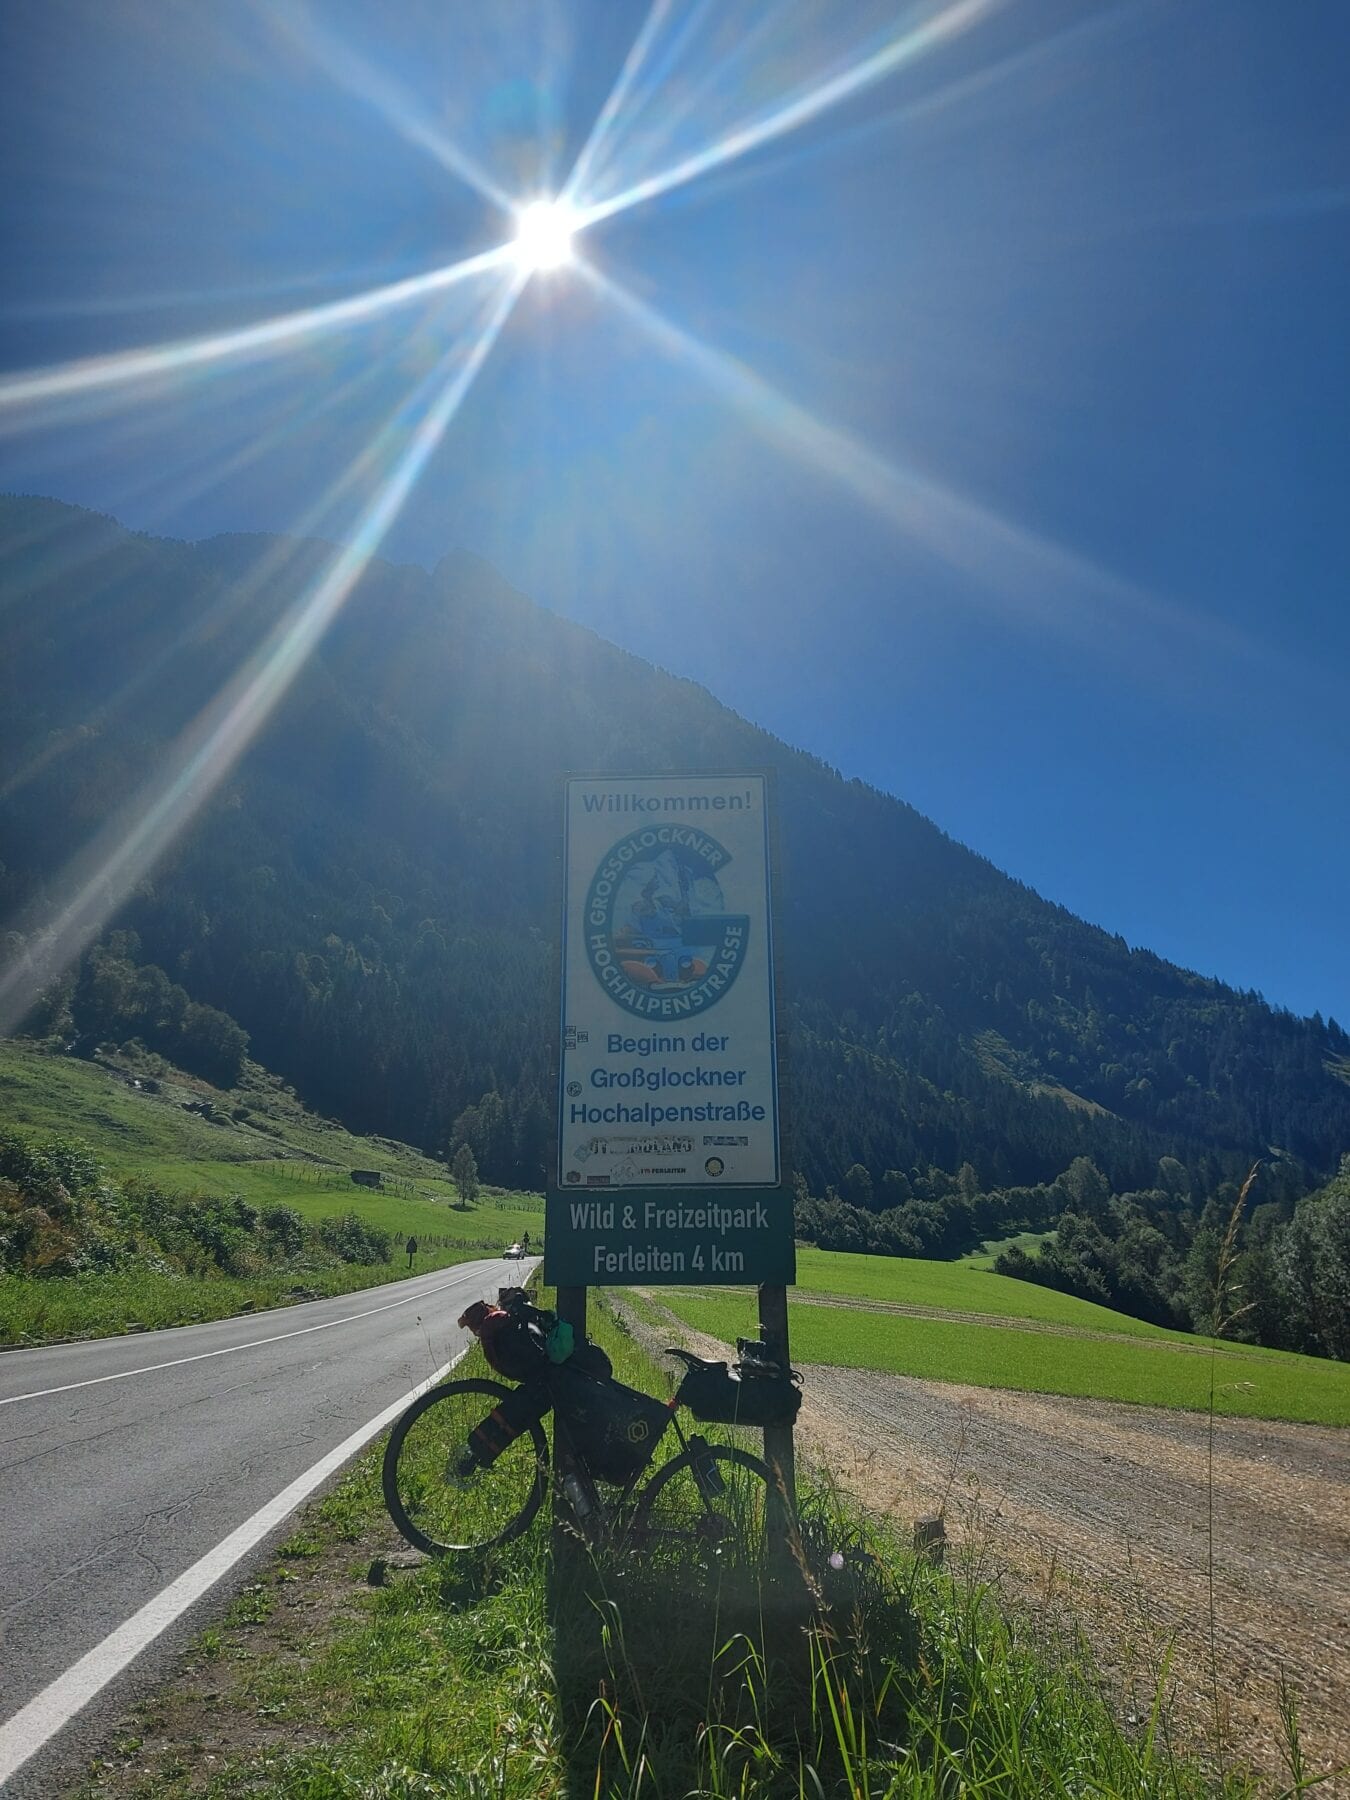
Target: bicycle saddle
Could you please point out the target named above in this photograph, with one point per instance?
(690, 1360)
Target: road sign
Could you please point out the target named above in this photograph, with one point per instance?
(668, 1167)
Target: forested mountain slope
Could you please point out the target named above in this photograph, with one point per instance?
(370, 892)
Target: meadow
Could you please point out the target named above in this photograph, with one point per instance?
(277, 1154)
(1030, 1241)
(1051, 1343)
(964, 1286)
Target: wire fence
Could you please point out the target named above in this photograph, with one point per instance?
(329, 1177)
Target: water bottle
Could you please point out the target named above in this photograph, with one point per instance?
(578, 1498)
(706, 1472)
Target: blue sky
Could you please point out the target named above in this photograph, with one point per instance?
(975, 418)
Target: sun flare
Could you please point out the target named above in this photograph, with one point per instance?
(544, 233)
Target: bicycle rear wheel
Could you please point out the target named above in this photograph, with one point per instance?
(436, 1509)
(711, 1494)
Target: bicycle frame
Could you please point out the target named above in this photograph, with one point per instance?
(575, 1478)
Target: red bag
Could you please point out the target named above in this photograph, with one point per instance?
(512, 1347)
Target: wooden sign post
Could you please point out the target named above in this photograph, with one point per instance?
(779, 1449)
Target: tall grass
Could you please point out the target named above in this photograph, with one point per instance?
(887, 1678)
(1224, 1312)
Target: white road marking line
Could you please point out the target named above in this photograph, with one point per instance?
(44, 1715)
(229, 1349)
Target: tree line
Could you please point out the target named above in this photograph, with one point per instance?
(1259, 1261)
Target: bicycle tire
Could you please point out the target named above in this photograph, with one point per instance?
(730, 1455)
(435, 1513)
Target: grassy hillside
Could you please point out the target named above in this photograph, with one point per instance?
(278, 1153)
(258, 1144)
(854, 1312)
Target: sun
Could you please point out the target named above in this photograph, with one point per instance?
(544, 232)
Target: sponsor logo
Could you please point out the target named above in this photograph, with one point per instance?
(574, 1174)
(714, 1165)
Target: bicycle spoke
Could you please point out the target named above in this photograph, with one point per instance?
(447, 1505)
(715, 1502)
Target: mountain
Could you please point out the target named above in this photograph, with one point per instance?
(370, 890)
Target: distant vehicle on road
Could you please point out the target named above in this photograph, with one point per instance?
(513, 1252)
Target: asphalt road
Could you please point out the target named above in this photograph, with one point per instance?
(127, 1461)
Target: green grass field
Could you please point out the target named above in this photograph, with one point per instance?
(278, 1153)
(1161, 1368)
(1030, 1241)
(957, 1287)
(495, 1218)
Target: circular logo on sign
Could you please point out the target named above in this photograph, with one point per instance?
(714, 1166)
(658, 936)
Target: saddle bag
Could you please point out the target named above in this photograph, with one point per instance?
(755, 1392)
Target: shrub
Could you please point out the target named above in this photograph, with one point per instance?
(285, 1229)
(355, 1240)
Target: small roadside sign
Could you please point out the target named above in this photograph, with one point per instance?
(668, 1163)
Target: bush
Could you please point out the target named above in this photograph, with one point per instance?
(285, 1229)
(354, 1240)
(58, 1218)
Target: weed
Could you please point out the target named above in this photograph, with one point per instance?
(250, 1606)
(301, 1543)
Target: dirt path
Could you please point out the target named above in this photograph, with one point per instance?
(1100, 1512)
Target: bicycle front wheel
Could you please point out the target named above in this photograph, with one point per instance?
(437, 1509)
(712, 1494)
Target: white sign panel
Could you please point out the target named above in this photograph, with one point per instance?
(668, 1069)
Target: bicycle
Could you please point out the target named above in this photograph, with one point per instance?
(456, 1480)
